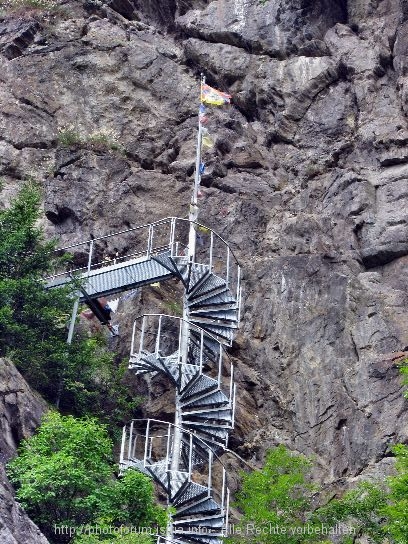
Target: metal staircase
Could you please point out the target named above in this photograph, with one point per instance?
(181, 457)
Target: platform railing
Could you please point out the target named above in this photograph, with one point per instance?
(148, 442)
(145, 241)
(160, 334)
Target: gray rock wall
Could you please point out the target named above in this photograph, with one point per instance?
(307, 179)
(20, 414)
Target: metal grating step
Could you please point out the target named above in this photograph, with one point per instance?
(190, 493)
(188, 374)
(220, 416)
(217, 313)
(220, 331)
(214, 523)
(205, 506)
(122, 277)
(165, 260)
(203, 320)
(212, 400)
(198, 275)
(203, 384)
(160, 474)
(134, 463)
(196, 537)
(215, 432)
(211, 283)
(178, 482)
(222, 299)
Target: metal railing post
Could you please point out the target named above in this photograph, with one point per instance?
(223, 491)
(219, 367)
(141, 343)
(233, 406)
(228, 267)
(149, 241)
(134, 446)
(211, 250)
(130, 439)
(190, 457)
(227, 511)
(157, 348)
(172, 234)
(201, 349)
(168, 446)
(210, 462)
(132, 345)
(146, 442)
(91, 244)
(122, 446)
(179, 342)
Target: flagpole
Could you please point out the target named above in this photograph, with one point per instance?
(193, 215)
(185, 332)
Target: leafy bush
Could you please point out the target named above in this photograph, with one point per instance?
(277, 496)
(397, 509)
(82, 378)
(64, 477)
(100, 140)
(12, 6)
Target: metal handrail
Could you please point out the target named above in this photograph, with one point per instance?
(151, 225)
(193, 326)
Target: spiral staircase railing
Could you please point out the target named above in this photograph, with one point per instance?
(181, 457)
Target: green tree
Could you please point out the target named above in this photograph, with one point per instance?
(119, 538)
(360, 510)
(275, 500)
(64, 477)
(83, 378)
(397, 508)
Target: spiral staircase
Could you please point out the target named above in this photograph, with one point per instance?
(181, 457)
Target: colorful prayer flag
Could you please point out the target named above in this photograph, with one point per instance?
(209, 95)
(206, 139)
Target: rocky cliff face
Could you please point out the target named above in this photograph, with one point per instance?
(307, 180)
(20, 414)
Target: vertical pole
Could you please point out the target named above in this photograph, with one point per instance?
(72, 322)
(190, 457)
(185, 326)
(130, 439)
(146, 442)
(122, 446)
(157, 348)
(91, 243)
(168, 446)
(228, 266)
(191, 255)
(69, 341)
(193, 215)
(210, 462)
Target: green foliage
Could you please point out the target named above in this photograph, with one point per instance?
(82, 378)
(359, 509)
(16, 6)
(277, 496)
(68, 137)
(404, 372)
(64, 477)
(30, 317)
(102, 140)
(173, 307)
(397, 509)
(112, 537)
